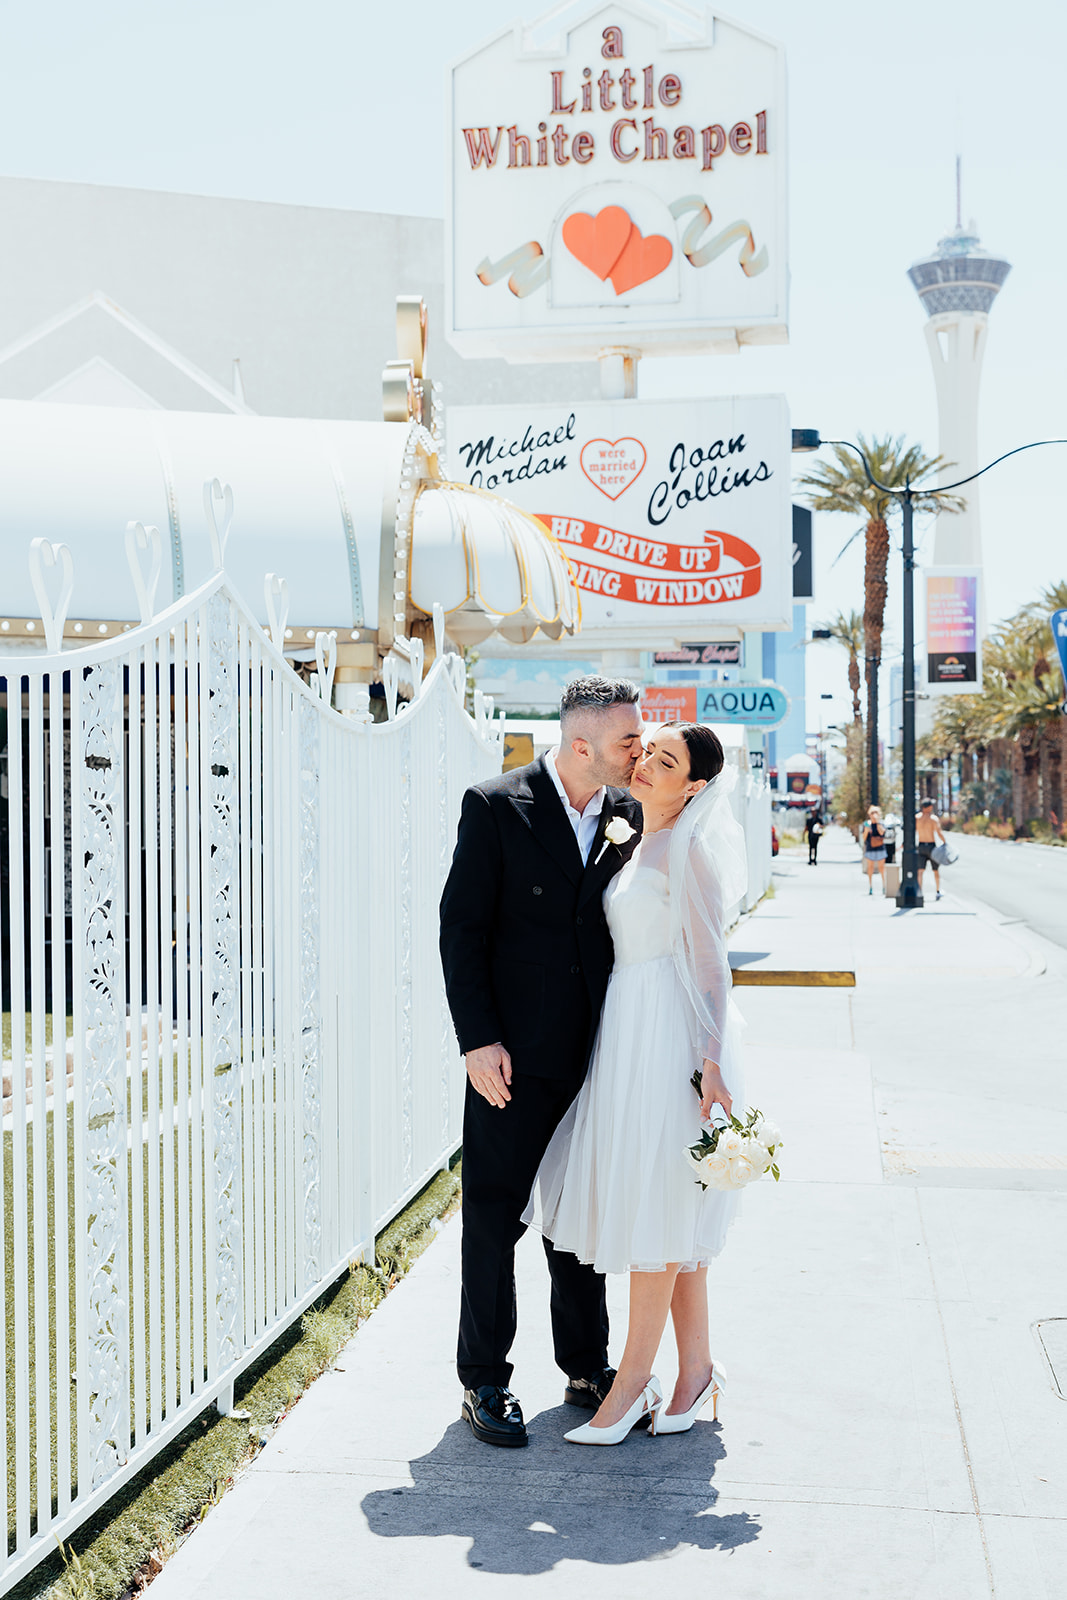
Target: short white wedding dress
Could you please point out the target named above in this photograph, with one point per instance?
(614, 1187)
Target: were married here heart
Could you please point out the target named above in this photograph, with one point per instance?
(612, 246)
(611, 465)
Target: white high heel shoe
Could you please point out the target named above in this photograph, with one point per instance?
(649, 1399)
(682, 1421)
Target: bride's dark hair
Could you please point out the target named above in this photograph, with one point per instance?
(706, 755)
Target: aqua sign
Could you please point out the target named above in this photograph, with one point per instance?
(755, 705)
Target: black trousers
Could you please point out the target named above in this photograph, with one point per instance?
(502, 1149)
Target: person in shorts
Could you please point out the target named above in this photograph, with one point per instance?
(927, 835)
(873, 841)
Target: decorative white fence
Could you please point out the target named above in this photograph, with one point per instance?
(751, 801)
(229, 1054)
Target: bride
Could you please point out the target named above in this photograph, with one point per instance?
(614, 1187)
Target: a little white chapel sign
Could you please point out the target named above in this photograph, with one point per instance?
(617, 177)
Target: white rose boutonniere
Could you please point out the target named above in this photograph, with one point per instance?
(617, 832)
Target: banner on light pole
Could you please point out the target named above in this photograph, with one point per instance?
(803, 571)
(1059, 634)
(953, 645)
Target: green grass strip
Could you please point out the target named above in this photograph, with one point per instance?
(118, 1552)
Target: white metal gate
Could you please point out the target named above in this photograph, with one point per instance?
(232, 890)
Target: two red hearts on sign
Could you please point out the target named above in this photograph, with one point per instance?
(613, 246)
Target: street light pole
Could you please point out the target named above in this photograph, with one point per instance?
(909, 895)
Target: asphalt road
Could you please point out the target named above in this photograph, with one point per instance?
(1028, 881)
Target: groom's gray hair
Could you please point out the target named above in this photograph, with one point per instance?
(585, 695)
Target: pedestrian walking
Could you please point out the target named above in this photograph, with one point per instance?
(874, 847)
(814, 828)
(928, 835)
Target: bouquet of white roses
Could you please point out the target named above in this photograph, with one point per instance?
(734, 1153)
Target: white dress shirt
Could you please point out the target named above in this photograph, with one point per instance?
(584, 822)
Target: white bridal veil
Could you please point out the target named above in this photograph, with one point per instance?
(707, 876)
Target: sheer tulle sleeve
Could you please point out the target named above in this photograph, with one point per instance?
(707, 877)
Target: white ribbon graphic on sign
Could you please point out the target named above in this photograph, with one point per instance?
(528, 265)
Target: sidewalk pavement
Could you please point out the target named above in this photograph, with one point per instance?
(891, 1426)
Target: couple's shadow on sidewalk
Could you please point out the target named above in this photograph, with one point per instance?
(525, 1510)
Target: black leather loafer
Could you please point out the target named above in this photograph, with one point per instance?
(590, 1393)
(495, 1416)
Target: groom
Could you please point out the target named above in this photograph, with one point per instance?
(527, 955)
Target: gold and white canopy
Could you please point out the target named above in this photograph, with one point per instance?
(494, 568)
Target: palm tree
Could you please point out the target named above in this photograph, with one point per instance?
(1035, 616)
(847, 629)
(843, 485)
(1018, 713)
(1026, 693)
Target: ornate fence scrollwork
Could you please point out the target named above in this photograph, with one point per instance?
(105, 1389)
(222, 1042)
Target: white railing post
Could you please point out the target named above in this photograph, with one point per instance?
(310, 1108)
(221, 956)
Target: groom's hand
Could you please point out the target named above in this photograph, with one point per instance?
(489, 1070)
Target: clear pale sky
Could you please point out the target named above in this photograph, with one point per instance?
(334, 104)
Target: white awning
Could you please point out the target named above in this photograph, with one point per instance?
(307, 493)
(494, 568)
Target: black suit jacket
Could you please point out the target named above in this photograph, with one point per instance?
(524, 941)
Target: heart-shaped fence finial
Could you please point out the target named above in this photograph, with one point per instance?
(457, 670)
(326, 663)
(276, 594)
(417, 656)
(438, 630)
(390, 683)
(43, 553)
(218, 496)
(139, 538)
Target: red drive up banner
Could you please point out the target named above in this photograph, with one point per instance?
(953, 646)
(674, 515)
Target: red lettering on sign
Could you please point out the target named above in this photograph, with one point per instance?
(479, 147)
(558, 107)
(675, 574)
(616, 139)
